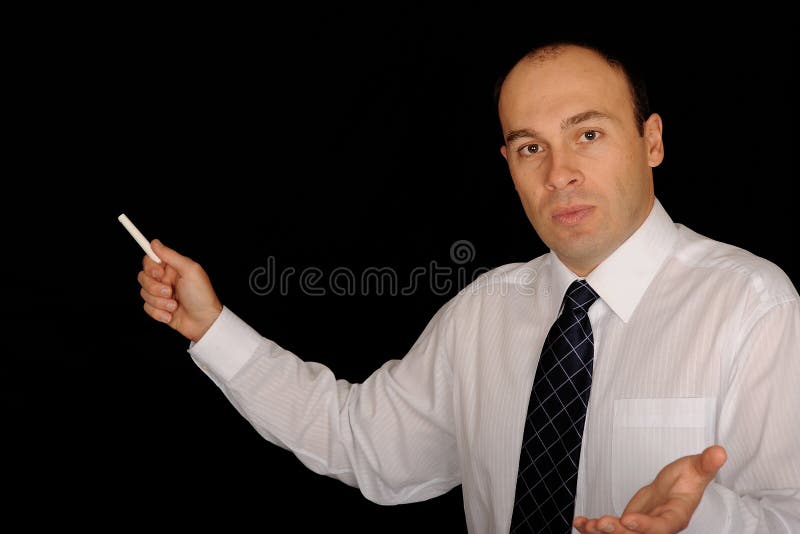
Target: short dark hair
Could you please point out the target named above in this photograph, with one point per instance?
(636, 84)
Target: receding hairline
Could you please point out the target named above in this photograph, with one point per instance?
(551, 51)
(548, 52)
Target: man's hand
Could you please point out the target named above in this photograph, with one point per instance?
(666, 505)
(178, 292)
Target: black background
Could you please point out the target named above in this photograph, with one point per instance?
(322, 138)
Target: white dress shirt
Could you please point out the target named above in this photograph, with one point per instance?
(696, 343)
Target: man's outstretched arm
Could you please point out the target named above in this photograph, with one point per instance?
(393, 436)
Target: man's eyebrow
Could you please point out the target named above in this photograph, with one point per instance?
(582, 117)
(518, 134)
(566, 123)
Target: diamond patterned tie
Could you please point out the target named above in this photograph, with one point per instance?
(551, 443)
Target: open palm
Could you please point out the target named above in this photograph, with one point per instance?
(666, 505)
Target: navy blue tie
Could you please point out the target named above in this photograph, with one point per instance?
(551, 443)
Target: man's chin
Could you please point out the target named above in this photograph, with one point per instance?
(581, 253)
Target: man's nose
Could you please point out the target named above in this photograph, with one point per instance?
(564, 171)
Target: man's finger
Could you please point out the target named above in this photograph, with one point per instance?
(153, 286)
(152, 268)
(667, 521)
(179, 262)
(158, 315)
(170, 275)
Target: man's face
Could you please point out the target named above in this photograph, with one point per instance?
(579, 164)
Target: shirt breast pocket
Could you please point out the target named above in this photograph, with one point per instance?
(648, 434)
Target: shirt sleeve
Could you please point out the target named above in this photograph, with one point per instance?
(758, 488)
(392, 436)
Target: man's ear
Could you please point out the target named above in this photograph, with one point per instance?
(504, 152)
(653, 129)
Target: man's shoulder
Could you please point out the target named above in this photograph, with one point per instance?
(730, 263)
(518, 276)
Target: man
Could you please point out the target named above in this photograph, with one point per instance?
(689, 343)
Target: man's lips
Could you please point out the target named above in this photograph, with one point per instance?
(571, 215)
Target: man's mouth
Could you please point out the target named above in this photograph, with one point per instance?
(572, 215)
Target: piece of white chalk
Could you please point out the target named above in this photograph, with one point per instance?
(137, 235)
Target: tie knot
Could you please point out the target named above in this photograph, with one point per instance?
(579, 297)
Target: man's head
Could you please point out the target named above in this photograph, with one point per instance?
(580, 158)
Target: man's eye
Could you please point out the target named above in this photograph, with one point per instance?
(590, 135)
(530, 149)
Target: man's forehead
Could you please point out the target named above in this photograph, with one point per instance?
(575, 64)
(586, 81)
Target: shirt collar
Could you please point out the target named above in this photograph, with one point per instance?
(623, 277)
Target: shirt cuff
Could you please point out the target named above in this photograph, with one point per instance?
(226, 346)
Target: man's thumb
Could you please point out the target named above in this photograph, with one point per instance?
(172, 258)
(712, 460)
